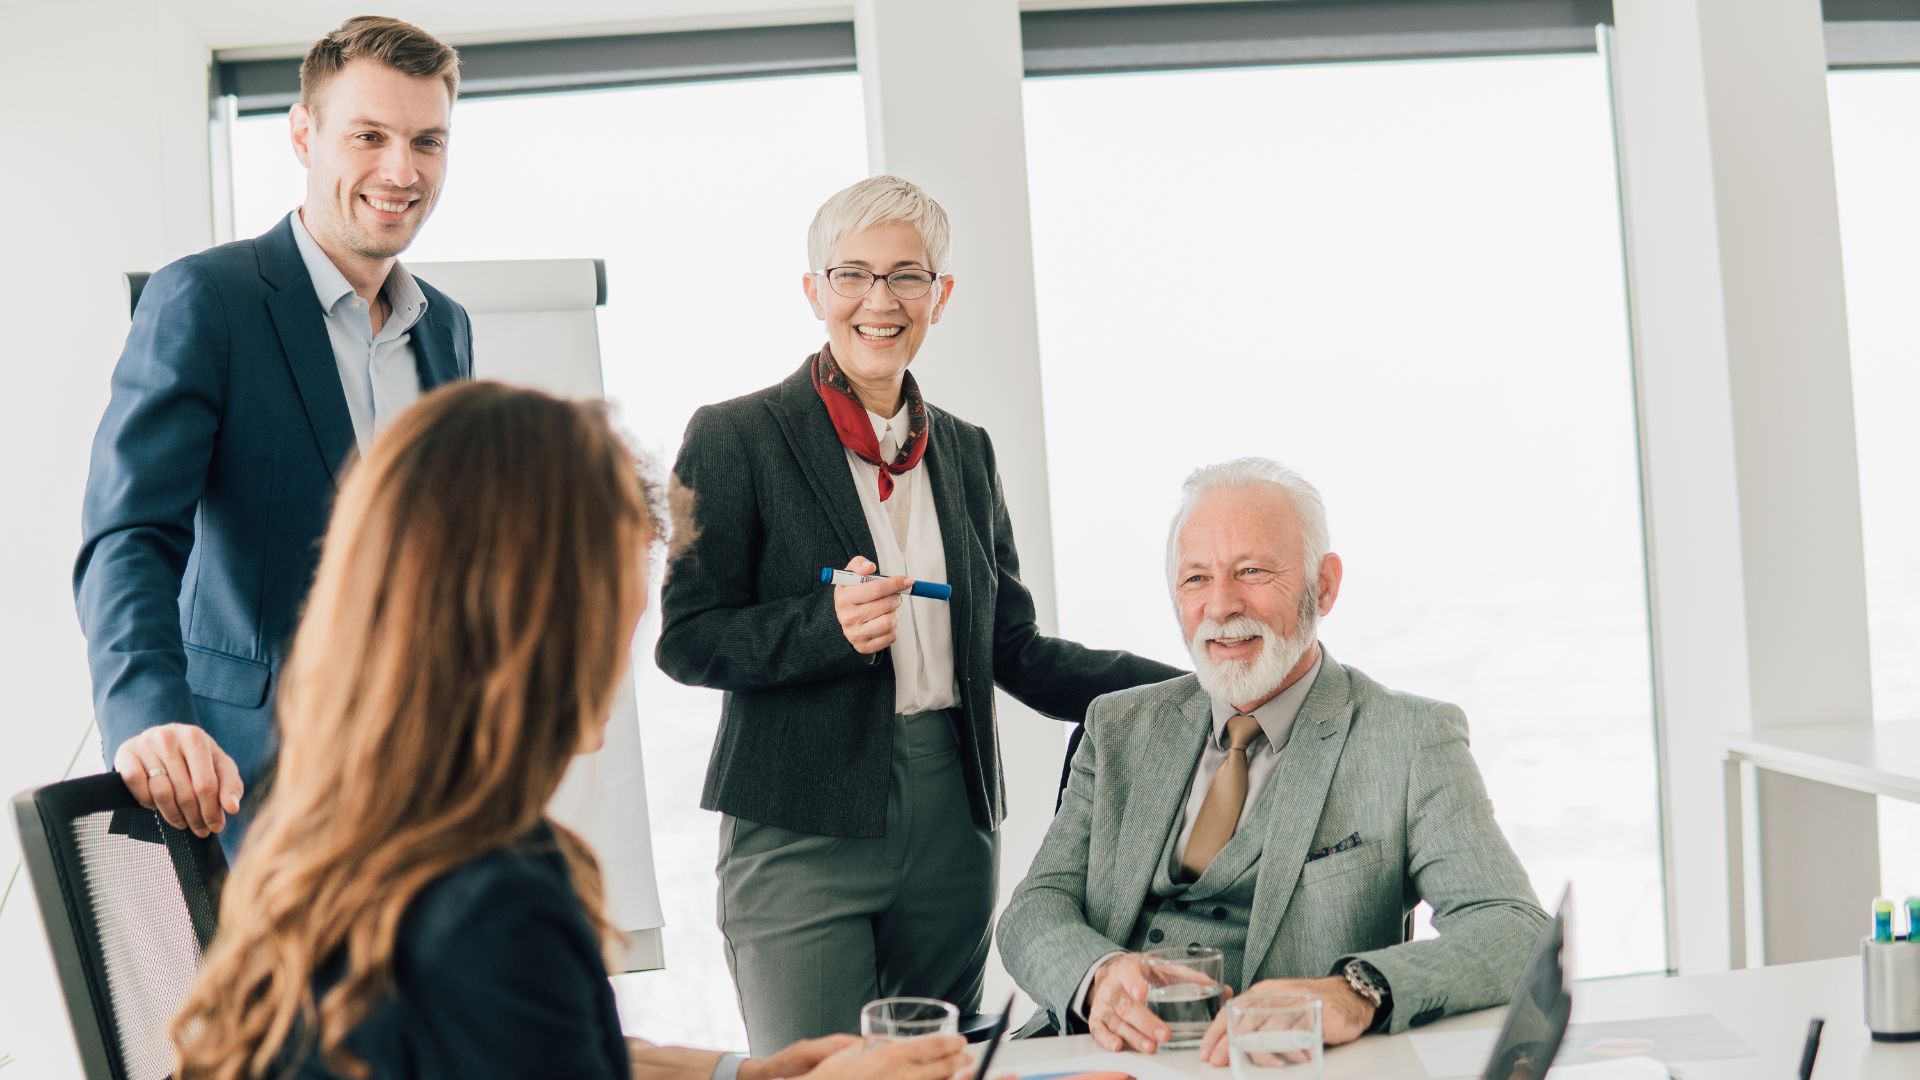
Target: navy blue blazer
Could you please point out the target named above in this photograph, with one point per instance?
(212, 477)
(495, 973)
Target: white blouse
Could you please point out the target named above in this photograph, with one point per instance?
(923, 639)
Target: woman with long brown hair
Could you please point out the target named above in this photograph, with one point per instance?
(404, 907)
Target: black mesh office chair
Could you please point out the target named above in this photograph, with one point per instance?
(129, 905)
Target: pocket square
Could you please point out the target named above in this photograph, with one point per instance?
(1348, 844)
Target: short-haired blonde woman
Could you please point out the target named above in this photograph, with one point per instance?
(857, 762)
(404, 907)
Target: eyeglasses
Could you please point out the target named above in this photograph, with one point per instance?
(853, 282)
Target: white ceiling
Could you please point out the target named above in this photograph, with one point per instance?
(287, 27)
(244, 28)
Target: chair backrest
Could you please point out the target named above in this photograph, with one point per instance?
(136, 281)
(129, 905)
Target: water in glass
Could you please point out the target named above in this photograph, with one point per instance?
(1187, 1008)
(1294, 1055)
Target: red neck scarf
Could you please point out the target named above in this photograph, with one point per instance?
(856, 431)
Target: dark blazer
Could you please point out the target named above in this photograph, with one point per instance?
(496, 972)
(806, 729)
(212, 477)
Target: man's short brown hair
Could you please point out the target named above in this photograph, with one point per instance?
(401, 46)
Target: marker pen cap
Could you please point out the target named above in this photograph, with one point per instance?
(932, 590)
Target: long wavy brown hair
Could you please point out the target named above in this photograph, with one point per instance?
(476, 598)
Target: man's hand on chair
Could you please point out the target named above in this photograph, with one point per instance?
(179, 771)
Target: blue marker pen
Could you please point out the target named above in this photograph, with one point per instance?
(1883, 920)
(931, 590)
(1913, 919)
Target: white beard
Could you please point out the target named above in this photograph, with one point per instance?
(1239, 682)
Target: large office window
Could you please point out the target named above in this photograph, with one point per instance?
(698, 197)
(1403, 279)
(1876, 150)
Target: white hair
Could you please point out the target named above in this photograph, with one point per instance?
(1245, 472)
(875, 201)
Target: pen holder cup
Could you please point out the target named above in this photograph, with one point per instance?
(1891, 971)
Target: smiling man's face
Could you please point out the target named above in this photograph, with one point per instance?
(1240, 579)
(375, 148)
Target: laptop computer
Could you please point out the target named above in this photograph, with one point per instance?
(1537, 1016)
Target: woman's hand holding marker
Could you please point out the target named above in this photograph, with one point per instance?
(866, 610)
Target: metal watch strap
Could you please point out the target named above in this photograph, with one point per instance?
(1366, 980)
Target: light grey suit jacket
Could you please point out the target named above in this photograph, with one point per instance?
(1390, 767)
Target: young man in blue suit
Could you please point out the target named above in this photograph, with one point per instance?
(252, 373)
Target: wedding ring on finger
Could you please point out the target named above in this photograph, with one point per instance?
(156, 771)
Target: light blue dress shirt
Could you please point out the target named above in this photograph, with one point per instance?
(377, 371)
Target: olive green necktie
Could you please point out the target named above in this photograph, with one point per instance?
(1219, 812)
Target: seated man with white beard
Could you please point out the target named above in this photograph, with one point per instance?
(1277, 805)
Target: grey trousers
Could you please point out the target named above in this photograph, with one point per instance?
(817, 926)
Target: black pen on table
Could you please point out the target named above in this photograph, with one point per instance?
(1813, 1047)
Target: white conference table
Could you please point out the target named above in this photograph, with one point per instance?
(1875, 759)
(1767, 1008)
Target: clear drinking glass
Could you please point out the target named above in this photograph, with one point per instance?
(1184, 990)
(1274, 1035)
(897, 1019)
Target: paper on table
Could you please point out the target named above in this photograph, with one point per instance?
(1697, 1037)
(1633, 1068)
(1450, 1054)
(1137, 1066)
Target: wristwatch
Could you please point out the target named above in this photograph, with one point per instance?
(1366, 980)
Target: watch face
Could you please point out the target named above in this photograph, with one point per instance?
(1363, 982)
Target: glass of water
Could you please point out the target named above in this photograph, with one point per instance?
(1274, 1035)
(897, 1019)
(1184, 991)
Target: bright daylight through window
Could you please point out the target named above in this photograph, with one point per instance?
(1876, 151)
(698, 198)
(1404, 280)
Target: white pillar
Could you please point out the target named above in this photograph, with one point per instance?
(112, 96)
(1758, 586)
(944, 111)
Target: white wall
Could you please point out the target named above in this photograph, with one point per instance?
(1759, 594)
(106, 172)
(943, 99)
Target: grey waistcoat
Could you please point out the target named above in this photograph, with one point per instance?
(1215, 909)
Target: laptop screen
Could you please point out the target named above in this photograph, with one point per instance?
(1537, 1017)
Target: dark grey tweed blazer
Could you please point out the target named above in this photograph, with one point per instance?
(806, 727)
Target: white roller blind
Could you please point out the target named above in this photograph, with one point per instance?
(534, 325)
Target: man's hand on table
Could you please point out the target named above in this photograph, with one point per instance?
(1344, 1014)
(1117, 1014)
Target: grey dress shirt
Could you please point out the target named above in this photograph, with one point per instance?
(1263, 757)
(377, 371)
